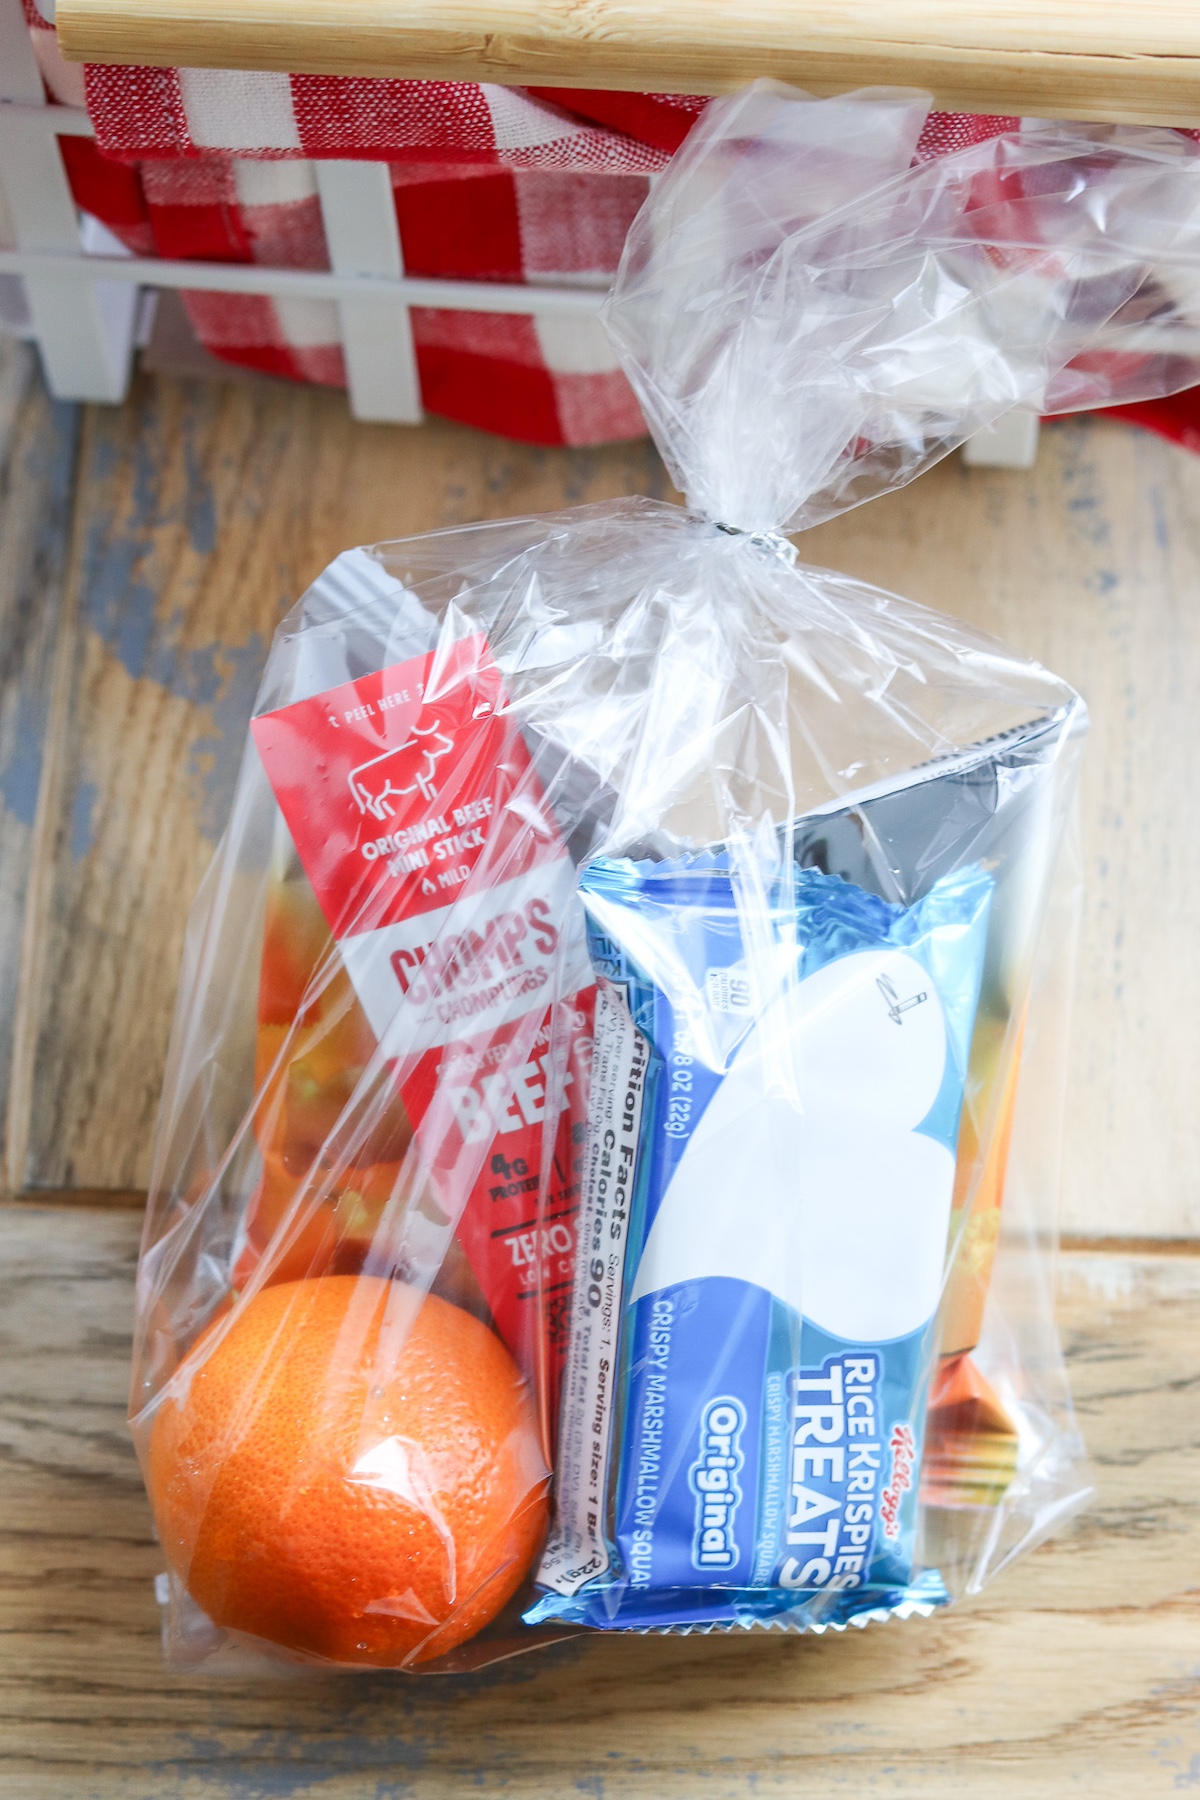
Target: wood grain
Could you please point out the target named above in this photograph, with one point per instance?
(1075, 1671)
(37, 456)
(1089, 562)
(1093, 59)
(202, 511)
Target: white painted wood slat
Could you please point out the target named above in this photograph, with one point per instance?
(84, 328)
(359, 215)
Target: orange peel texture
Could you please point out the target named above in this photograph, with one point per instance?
(342, 1498)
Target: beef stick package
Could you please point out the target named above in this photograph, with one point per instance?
(606, 1168)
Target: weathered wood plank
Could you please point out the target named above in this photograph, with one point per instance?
(1075, 1671)
(1090, 562)
(37, 451)
(204, 511)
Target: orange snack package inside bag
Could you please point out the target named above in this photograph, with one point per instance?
(971, 1439)
(312, 1047)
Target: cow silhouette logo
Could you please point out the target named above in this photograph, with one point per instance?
(374, 783)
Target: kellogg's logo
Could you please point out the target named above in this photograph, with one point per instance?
(903, 1446)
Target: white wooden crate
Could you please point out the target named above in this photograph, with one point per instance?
(83, 308)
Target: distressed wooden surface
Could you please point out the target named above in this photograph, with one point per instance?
(37, 450)
(1090, 562)
(201, 512)
(1075, 1672)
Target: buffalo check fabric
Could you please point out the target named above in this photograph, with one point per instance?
(489, 183)
(189, 112)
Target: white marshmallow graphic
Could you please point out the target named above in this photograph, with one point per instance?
(805, 1175)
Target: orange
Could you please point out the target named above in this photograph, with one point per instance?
(345, 1499)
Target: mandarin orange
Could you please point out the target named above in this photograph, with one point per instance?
(349, 1470)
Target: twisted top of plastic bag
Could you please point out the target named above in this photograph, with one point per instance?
(810, 317)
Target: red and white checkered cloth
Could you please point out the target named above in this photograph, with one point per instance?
(490, 184)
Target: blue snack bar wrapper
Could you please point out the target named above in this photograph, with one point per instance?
(767, 1193)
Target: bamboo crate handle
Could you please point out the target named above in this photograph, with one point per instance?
(1095, 59)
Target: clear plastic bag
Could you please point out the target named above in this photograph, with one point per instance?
(607, 1163)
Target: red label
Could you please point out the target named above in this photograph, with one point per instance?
(406, 787)
(518, 1236)
(425, 833)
